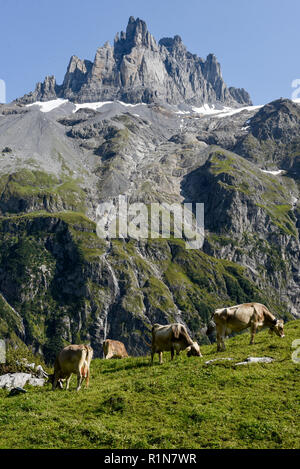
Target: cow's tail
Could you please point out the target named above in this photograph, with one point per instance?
(176, 329)
(56, 373)
(89, 356)
(83, 363)
(147, 343)
(89, 353)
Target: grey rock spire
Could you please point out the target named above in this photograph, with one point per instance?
(138, 69)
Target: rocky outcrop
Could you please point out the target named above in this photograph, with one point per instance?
(138, 69)
(44, 91)
(19, 380)
(250, 218)
(273, 137)
(10, 320)
(240, 95)
(76, 75)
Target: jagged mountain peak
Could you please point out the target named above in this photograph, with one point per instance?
(136, 35)
(136, 30)
(139, 69)
(171, 43)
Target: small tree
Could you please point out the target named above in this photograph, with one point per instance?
(7, 150)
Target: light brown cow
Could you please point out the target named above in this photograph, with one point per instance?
(173, 338)
(114, 349)
(240, 317)
(72, 359)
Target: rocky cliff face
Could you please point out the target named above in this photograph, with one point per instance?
(273, 136)
(138, 69)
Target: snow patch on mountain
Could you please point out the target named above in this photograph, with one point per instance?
(93, 106)
(275, 172)
(206, 109)
(225, 111)
(47, 106)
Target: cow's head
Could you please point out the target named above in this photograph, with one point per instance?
(59, 383)
(194, 350)
(277, 327)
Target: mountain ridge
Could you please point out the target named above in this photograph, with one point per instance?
(139, 69)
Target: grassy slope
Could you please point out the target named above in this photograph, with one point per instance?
(184, 404)
(34, 187)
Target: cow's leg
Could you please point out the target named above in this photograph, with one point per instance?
(160, 357)
(55, 380)
(253, 332)
(219, 339)
(152, 355)
(221, 343)
(221, 331)
(79, 381)
(68, 382)
(223, 335)
(223, 347)
(172, 353)
(177, 350)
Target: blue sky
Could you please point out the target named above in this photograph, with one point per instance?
(256, 41)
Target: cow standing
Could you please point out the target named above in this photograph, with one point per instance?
(173, 338)
(72, 359)
(114, 349)
(240, 317)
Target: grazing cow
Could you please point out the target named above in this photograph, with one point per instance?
(114, 349)
(172, 337)
(72, 359)
(239, 317)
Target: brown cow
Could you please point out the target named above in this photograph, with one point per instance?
(114, 349)
(172, 337)
(239, 317)
(72, 359)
